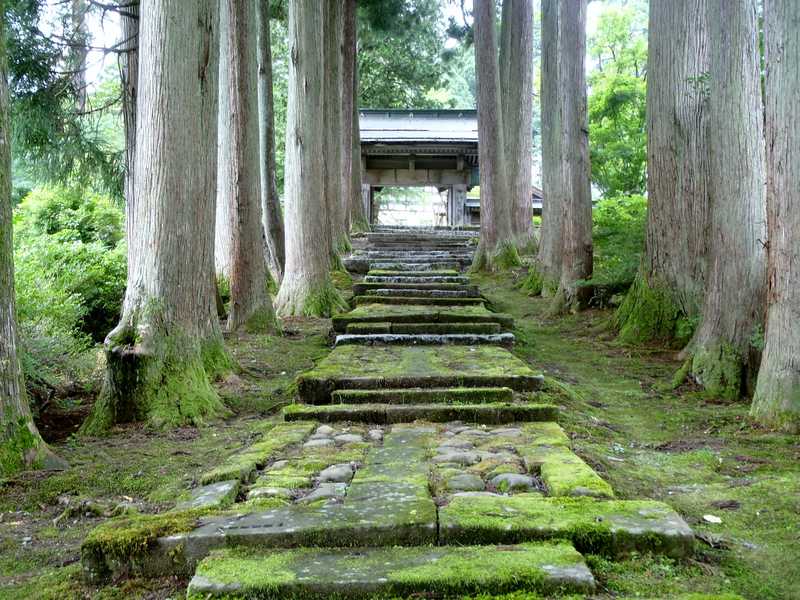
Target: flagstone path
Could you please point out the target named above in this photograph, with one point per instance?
(417, 459)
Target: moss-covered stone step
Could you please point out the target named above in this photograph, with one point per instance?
(418, 300)
(379, 367)
(460, 279)
(424, 395)
(425, 339)
(491, 413)
(242, 466)
(391, 572)
(415, 274)
(360, 289)
(609, 527)
(416, 313)
(417, 328)
(564, 472)
(382, 265)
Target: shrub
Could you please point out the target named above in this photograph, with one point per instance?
(618, 231)
(70, 266)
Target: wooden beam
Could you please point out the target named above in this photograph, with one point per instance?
(415, 177)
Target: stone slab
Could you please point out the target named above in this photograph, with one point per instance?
(360, 289)
(609, 527)
(415, 313)
(391, 572)
(213, 495)
(425, 339)
(490, 413)
(423, 395)
(432, 301)
(378, 367)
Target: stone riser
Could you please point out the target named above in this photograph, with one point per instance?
(386, 414)
(392, 572)
(360, 289)
(414, 292)
(425, 339)
(411, 279)
(417, 300)
(423, 328)
(423, 395)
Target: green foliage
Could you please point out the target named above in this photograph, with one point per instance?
(617, 136)
(70, 268)
(400, 46)
(618, 232)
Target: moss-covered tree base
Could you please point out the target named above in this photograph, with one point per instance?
(262, 321)
(649, 313)
(719, 369)
(360, 226)
(323, 300)
(22, 449)
(776, 402)
(503, 257)
(162, 380)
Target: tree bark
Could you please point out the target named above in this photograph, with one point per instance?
(496, 250)
(79, 51)
(306, 288)
(733, 307)
(353, 207)
(565, 253)
(129, 83)
(334, 140)
(516, 85)
(239, 202)
(666, 296)
(168, 342)
(777, 396)
(270, 203)
(21, 446)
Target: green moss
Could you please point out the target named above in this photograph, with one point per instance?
(453, 395)
(242, 466)
(164, 381)
(609, 527)
(283, 480)
(421, 274)
(360, 226)
(342, 280)
(20, 448)
(649, 312)
(565, 474)
(123, 539)
(324, 301)
(263, 321)
(719, 369)
(432, 301)
(545, 434)
(390, 572)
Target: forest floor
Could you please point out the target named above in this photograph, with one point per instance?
(699, 454)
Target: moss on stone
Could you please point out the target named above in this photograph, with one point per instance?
(431, 301)
(421, 274)
(545, 434)
(607, 527)
(410, 313)
(391, 572)
(242, 466)
(565, 474)
(453, 395)
(126, 539)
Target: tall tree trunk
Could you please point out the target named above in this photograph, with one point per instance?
(21, 446)
(736, 273)
(777, 396)
(668, 290)
(306, 288)
(168, 343)
(352, 205)
(239, 162)
(496, 250)
(129, 82)
(516, 84)
(223, 234)
(565, 252)
(333, 133)
(270, 203)
(79, 51)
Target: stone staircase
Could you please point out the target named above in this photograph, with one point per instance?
(419, 459)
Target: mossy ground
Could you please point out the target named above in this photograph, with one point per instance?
(700, 454)
(148, 468)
